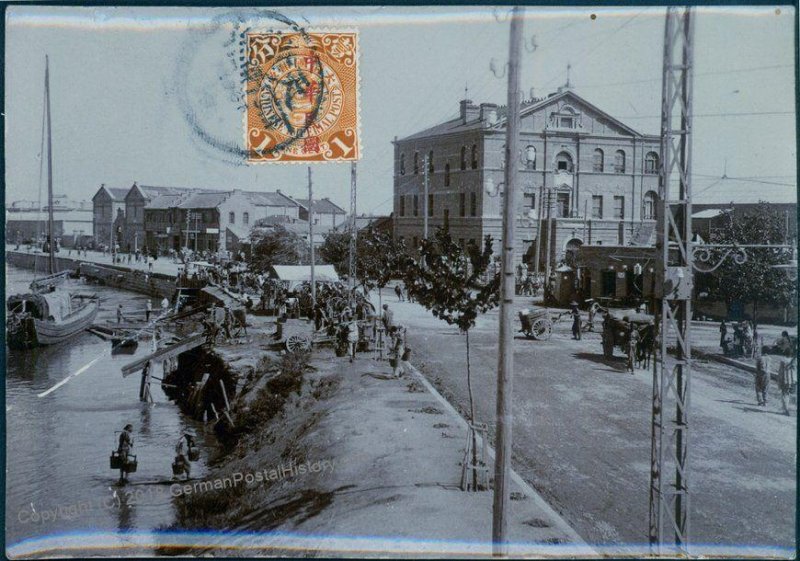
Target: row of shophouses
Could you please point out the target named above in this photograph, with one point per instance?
(170, 218)
(588, 196)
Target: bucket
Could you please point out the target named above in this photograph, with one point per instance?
(131, 464)
(177, 468)
(115, 461)
(194, 454)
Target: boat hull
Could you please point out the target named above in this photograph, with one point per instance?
(29, 332)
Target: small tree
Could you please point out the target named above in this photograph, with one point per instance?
(454, 285)
(278, 246)
(335, 250)
(755, 281)
(378, 257)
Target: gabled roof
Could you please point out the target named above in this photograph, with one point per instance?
(114, 193)
(164, 202)
(204, 200)
(270, 198)
(567, 93)
(322, 206)
(457, 125)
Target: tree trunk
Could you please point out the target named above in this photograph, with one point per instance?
(472, 419)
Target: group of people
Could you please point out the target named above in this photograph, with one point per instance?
(185, 453)
(739, 341)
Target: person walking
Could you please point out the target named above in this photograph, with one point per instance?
(398, 292)
(124, 449)
(723, 333)
(762, 378)
(182, 453)
(352, 338)
(399, 349)
(786, 381)
(387, 318)
(119, 313)
(148, 310)
(576, 321)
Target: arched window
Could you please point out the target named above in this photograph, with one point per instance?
(619, 161)
(651, 163)
(246, 218)
(564, 162)
(463, 158)
(649, 210)
(402, 164)
(598, 162)
(530, 157)
(447, 174)
(474, 156)
(416, 163)
(430, 162)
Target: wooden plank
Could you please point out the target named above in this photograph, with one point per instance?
(191, 342)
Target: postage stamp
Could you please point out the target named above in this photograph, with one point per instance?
(302, 97)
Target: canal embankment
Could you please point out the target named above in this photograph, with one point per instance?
(316, 445)
(96, 268)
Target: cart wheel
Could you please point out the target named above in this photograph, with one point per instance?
(297, 343)
(542, 329)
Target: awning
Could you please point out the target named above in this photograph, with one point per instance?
(295, 275)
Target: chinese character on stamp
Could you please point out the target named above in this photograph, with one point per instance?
(302, 97)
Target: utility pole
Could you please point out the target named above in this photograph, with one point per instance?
(549, 223)
(672, 374)
(505, 360)
(425, 198)
(196, 230)
(539, 229)
(188, 218)
(311, 238)
(353, 233)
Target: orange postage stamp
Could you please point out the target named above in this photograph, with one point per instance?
(302, 97)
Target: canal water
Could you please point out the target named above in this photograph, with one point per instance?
(57, 447)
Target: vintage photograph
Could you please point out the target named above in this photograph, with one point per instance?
(401, 281)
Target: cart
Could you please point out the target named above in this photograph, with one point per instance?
(617, 333)
(536, 324)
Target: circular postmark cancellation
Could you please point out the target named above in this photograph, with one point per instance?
(301, 97)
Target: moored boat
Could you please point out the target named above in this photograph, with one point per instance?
(35, 320)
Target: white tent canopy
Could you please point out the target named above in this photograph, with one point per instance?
(297, 274)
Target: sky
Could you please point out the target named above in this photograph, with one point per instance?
(151, 94)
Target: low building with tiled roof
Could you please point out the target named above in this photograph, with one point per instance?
(327, 214)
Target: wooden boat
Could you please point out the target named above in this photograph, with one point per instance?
(47, 319)
(48, 315)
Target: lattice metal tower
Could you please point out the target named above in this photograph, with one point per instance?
(672, 374)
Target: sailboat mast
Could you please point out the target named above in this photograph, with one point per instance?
(50, 229)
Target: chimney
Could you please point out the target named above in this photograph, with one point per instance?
(469, 111)
(488, 113)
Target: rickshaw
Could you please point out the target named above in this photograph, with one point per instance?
(617, 332)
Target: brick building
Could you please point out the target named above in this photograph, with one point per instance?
(107, 205)
(585, 177)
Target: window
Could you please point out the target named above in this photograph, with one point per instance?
(619, 161)
(232, 217)
(564, 162)
(446, 215)
(430, 205)
(447, 174)
(562, 205)
(530, 157)
(402, 210)
(431, 169)
(402, 164)
(619, 207)
(651, 163)
(597, 206)
(463, 158)
(462, 204)
(649, 210)
(416, 163)
(597, 163)
(246, 218)
(415, 241)
(567, 122)
(529, 200)
(416, 205)
(473, 204)
(474, 156)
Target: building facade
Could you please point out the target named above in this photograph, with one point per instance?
(107, 204)
(327, 214)
(585, 178)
